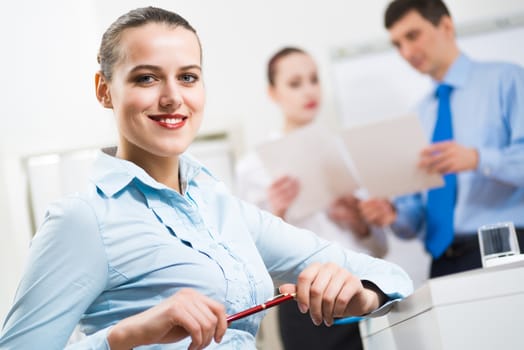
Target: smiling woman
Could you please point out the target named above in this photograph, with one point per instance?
(156, 250)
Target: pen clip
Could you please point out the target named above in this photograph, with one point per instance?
(281, 295)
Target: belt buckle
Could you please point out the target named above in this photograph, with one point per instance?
(450, 252)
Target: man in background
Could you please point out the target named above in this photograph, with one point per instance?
(474, 117)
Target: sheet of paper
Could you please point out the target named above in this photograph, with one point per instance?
(315, 157)
(385, 155)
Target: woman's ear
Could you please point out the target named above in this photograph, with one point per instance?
(102, 90)
(271, 92)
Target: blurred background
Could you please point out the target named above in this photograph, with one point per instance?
(49, 60)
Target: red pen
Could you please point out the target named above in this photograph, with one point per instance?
(278, 299)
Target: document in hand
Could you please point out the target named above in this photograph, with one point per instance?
(316, 158)
(380, 158)
(385, 155)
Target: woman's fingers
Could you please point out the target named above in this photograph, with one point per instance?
(208, 320)
(189, 313)
(329, 291)
(331, 294)
(345, 297)
(304, 281)
(316, 295)
(281, 194)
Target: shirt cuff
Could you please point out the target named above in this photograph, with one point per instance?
(488, 161)
(381, 311)
(386, 307)
(387, 299)
(95, 341)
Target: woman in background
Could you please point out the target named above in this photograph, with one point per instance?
(294, 86)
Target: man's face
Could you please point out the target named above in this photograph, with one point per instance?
(422, 44)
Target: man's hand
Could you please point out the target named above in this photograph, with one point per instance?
(378, 211)
(448, 157)
(345, 212)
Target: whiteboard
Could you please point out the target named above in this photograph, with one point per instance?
(373, 82)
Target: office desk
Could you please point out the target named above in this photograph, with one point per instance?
(478, 309)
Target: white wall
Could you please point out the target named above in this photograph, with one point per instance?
(49, 57)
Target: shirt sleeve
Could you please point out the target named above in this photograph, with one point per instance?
(67, 269)
(506, 163)
(287, 250)
(410, 216)
(377, 241)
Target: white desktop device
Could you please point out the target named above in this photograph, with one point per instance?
(499, 244)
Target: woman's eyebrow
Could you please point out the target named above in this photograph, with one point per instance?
(145, 67)
(191, 66)
(157, 68)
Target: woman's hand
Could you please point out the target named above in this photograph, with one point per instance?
(345, 212)
(328, 291)
(282, 193)
(186, 313)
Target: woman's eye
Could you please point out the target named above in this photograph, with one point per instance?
(188, 78)
(295, 84)
(145, 79)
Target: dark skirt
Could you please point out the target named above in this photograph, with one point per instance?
(298, 332)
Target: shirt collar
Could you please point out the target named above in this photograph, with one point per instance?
(111, 174)
(458, 73)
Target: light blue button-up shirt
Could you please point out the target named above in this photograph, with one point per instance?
(130, 242)
(487, 106)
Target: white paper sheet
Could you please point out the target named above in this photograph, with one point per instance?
(315, 157)
(385, 155)
(380, 159)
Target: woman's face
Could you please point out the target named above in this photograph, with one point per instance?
(296, 88)
(156, 92)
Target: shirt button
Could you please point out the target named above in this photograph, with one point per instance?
(487, 171)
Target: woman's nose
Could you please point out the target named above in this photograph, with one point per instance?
(171, 96)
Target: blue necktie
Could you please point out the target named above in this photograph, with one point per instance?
(441, 201)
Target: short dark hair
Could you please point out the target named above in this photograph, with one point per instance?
(432, 10)
(108, 54)
(272, 63)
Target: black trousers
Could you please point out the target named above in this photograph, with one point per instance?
(463, 255)
(298, 332)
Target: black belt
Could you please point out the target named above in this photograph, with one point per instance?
(462, 245)
(467, 243)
